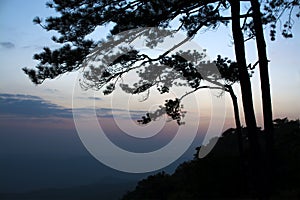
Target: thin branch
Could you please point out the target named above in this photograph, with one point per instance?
(249, 38)
(245, 20)
(198, 88)
(241, 17)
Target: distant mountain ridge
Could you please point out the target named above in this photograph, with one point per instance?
(108, 189)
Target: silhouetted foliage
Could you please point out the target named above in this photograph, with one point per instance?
(274, 9)
(78, 19)
(186, 74)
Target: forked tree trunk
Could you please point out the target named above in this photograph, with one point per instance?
(237, 121)
(239, 133)
(244, 76)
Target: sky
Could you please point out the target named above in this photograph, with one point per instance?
(38, 120)
(20, 39)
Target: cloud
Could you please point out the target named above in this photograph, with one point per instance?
(31, 106)
(7, 45)
(120, 113)
(90, 98)
(111, 113)
(95, 98)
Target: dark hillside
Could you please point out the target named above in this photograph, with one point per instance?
(222, 174)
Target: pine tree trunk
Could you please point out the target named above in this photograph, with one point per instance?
(244, 76)
(265, 86)
(246, 98)
(237, 120)
(238, 125)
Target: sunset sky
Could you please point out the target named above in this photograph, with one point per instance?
(47, 108)
(20, 39)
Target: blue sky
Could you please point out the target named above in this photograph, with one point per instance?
(47, 107)
(20, 39)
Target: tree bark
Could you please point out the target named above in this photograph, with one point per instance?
(237, 121)
(255, 173)
(243, 178)
(244, 76)
(265, 86)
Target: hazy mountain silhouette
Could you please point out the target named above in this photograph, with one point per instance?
(109, 188)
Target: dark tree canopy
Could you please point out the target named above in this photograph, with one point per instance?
(77, 19)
